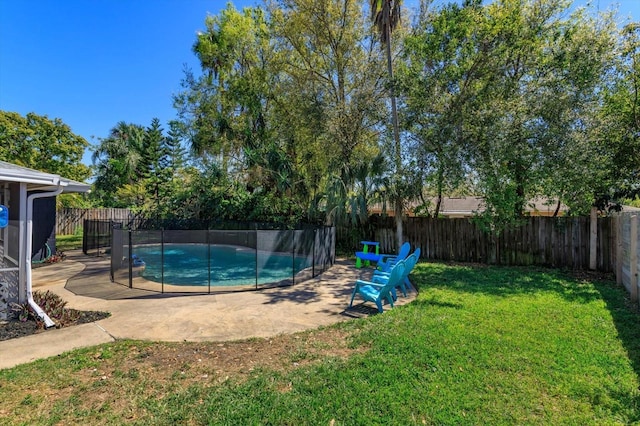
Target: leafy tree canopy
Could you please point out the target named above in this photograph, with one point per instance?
(42, 144)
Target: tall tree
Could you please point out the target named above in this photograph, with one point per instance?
(545, 70)
(155, 165)
(117, 162)
(506, 95)
(47, 145)
(577, 71)
(621, 120)
(176, 152)
(434, 81)
(385, 15)
(43, 144)
(287, 99)
(330, 95)
(226, 107)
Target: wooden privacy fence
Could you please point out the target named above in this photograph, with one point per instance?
(548, 241)
(627, 252)
(69, 221)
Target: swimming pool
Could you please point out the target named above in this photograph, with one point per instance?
(217, 265)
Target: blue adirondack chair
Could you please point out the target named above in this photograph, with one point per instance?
(377, 292)
(387, 261)
(404, 284)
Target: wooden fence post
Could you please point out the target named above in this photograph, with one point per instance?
(619, 241)
(633, 254)
(593, 239)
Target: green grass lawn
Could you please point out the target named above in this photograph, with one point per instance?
(479, 345)
(69, 242)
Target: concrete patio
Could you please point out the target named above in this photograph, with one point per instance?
(139, 314)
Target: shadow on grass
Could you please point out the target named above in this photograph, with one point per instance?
(432, 301)
(626, 318)
(361, 310)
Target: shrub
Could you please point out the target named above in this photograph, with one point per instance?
(54, 306)
(59, 256)
(21, 311)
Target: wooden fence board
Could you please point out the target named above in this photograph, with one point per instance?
(556, 242)
(70, 220)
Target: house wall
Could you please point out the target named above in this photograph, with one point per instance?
(13, 243)
(44, 228)
(9, 251)
(43, 238)
(9, 284)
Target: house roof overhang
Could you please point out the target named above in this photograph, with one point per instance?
(36, 180)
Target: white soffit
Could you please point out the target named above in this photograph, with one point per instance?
(36, 179)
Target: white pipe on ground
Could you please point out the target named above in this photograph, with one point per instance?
(48, 322)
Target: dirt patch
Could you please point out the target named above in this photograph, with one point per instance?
(220, 361)
(585, 275)
(144, 369)
(113, 374)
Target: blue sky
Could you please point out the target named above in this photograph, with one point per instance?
(93, 63)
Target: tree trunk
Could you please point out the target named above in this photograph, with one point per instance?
(555, 213)
(440, 186)
(396, 136)
(398, 216)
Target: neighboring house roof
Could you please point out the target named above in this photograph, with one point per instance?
(630, 209)
(36, 179)
(458, 206)
(468, 206)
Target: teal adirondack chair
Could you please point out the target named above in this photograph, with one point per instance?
(376, 292)
(404, 284)
(387, 261)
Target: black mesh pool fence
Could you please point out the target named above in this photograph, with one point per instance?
(204, 261)
(96, 236)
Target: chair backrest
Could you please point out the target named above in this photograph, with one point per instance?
(404, 250)
(417, 253)
(396, 275)
(409, 263)
(415, 256)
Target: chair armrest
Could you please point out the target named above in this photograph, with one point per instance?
(371, 283)
(380, 279)
(387, 257)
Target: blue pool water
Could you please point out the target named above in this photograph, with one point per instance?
(189, 264)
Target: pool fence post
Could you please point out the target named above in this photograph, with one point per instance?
(130, 261)
(209, 261)
(256, 249)
(162, 260)
(95, 237)
(99, 237)
(293, 258)
(313, 253)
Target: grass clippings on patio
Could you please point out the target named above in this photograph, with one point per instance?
(480, 345)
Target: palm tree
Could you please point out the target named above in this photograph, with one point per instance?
(385, 15)
(124, 144)
(117, 160)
